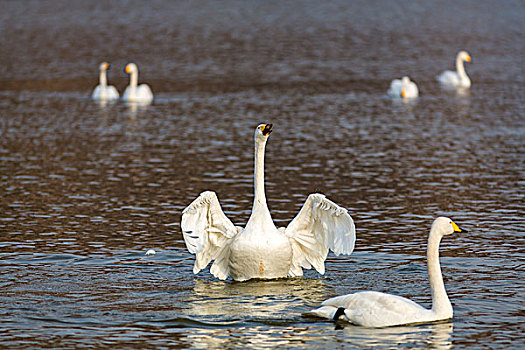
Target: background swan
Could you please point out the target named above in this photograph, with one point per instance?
(261, 250)
(404, 88)
(141, 93)
(375, 309)
(459, 78)
(103, 91)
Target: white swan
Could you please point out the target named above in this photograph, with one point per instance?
(260, 250)
(141, 93)
(459, 78)
(103, 91)
(404, 88)
(375, 309)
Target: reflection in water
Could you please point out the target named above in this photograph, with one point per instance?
(250, 337)
(135, 107)
(435, 336)
(261, 300)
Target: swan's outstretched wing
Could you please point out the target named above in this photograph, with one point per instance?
(208, 233)
(320, 225)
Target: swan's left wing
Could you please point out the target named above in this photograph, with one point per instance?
(208, 233)
(320, 225)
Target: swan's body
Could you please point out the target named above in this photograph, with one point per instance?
(375, 309)
(459, 78)
(103, 91)
(134, 92)
(261, 250)
(403, 88)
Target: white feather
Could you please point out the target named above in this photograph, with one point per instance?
(103, 91)
(375, 309)
(456, 79)
(320, 225)
(207, 232)
(136, 93)
(261, 250)
(403, 88)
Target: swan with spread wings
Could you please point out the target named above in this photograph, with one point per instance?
(261, 250)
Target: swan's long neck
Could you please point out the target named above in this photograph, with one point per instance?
(260, 196)
(460, 68)
(260, 220)
(440, 302)
(133, 79)
(103, 80)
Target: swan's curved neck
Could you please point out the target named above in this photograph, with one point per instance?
(103, 80)
(460, 68)
(133, 79)
(440, 303)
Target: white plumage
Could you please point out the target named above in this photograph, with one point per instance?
(261, 250)
(403, 88)
(134, 92)
(375, 309)
(103, 91)
(459, 78)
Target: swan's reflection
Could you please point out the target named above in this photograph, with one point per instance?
(405, 106)
(255, 298)
(462, 92)
(435, 336)
(135, 107)
(301, 336)
(255, 337)
(102, 103)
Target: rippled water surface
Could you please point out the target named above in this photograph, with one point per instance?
(86, 189)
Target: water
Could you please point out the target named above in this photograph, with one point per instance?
(87, 189)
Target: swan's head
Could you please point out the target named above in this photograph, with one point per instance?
(464, 56)
(131, 68)
(263, 131)
(445, 226)
(104, 66)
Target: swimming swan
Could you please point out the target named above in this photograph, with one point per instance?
(459, 78)
(103, 91)
(404, 88)
(375, 309)
(260, 250)
(134, 93)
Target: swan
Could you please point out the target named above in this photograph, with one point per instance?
(261, 250)
(459, 78)
(375, 309)
(141, 93)
(103, 91)
(404, 88)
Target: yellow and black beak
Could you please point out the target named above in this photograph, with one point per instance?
(266, 129)
(469, 59)
(457, 228)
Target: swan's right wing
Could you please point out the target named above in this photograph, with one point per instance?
(320, 225)
(208, 234)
